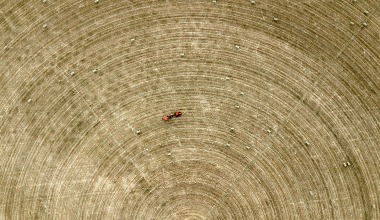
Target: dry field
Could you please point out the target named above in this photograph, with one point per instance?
(280, 102)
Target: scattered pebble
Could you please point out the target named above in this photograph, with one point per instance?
(44, 26)
(346, 164)
(95, 71)
(72, 73)
(138, 132)
(241, 93)
(182, 54)
(227, 78)
(237, 106)
(269, 130)
(253, 2)
(237, 46)
(214, 1)
(365, 24)
(96, 1)
(311, 193)
(366, 12)
(307, 143)
(247, 147)
(169, 154)
(352, 23)
(44, 1)
(275, 19)
(133, 39)
(29, 100)
(228, 145)
(232, 129)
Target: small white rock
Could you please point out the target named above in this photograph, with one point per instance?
(366, 12)
(241, 93)
(237, 106)
(247, 147)
(253, 2)
(365, 24)
(237, 46)
(29, 100)
(44, 26)
(307, 143)
(95, 71)
(269, 130)
(352, 23)
(169, 154)
(227, 78)
(138, 132)
(232, 129)
(44, 1)
(96, 1)
(275, 19)
(72, 73)
(228, 145)
(133, 39)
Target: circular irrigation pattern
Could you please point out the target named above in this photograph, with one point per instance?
(280, 105)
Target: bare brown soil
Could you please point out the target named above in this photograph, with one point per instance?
(280, 102)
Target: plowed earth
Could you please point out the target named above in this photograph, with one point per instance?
(280, 103)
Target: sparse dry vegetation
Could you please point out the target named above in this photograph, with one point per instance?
(280, 103)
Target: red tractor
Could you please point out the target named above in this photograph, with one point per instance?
(176, 114)
(166, 118)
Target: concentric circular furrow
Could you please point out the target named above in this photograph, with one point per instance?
(349, 128)
(168, 70)
(141, 159)
(279, 100)
(191, 178)
(351, 134)
(312, 184)
(312, 23)
(32, 187)
(360, 63)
